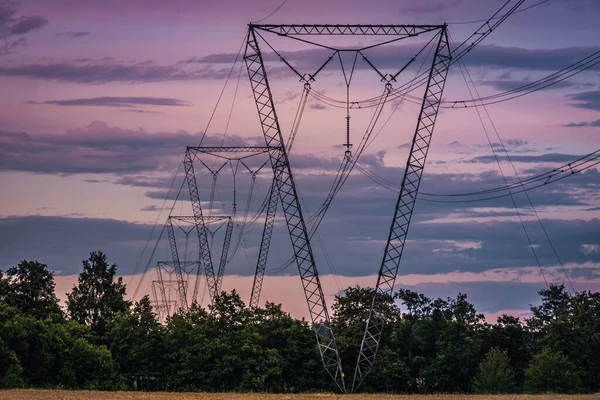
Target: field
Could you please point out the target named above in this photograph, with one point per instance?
(88, 395)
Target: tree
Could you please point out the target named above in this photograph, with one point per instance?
(29, 286)
(494, 374)
(551, 372)
(98, 296)
(136, 342)
(350, 312)
(569, 324)
(4, 287)
(456, 328)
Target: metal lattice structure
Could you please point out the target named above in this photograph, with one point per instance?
(241, 153)
(183, 269)
(265, 243)
(178, 272)
(284, 182)
(204, 255)
(291, 207)
(162, 289)
(224, 253)
(405, 205)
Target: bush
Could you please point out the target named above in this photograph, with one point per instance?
(14, 374)
(494, 374)
(551, 372)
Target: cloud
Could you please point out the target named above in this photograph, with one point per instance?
(595, 123)
(217, 66)
(433, 249)
(12, 27)
(510, 84)
(97, 148)
(141, 111)
(485, 55)
(27, 24)
(543, 158)
(72, 34)
(589, 100)
(428, 7)
(108, 70)
(117, 102)
(151, 208)
(82, 234)
(317, 106)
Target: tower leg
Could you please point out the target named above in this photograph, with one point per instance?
(404, 206)
(292, 211)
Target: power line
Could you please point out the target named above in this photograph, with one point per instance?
(274, 11)
(518, 178)
(484, 20)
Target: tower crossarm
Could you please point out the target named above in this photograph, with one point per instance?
(364, 30)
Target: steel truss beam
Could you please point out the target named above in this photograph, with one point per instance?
(404, 206)
(224, 252)
(177, 264)
(204, 255)
(365, 30)
(265, 243)
(208, 219)
(231, 149)
(291, 207)
(201, 221)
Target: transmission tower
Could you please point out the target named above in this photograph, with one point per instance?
(284, 182)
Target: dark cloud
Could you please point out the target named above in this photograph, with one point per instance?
(27, 24)
(98, 148)
(117, 102)
(13, 27)
(428, 7)
(516, 142)
(151, 208)
(506, 85)
(390, 56)
(589, 100)
(104, 71)
(595, 123)
(217, 66)
(75, 236)
(543, 158)
(72, 34)
(443, 237)
(317, 106)
(580, 5)
(141, 111)
(486, 296)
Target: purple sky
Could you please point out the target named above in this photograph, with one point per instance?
(100, 98)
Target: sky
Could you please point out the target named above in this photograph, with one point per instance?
(100, 99)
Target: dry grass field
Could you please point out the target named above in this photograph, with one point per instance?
(88, 395)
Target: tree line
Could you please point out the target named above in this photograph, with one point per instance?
(101, 340)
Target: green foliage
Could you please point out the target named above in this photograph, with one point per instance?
(428, 344)
(12, 371)
(494, 374)
(570, 325)
(98, 296)
(551, 372)
(29, 286)
(136, 342)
